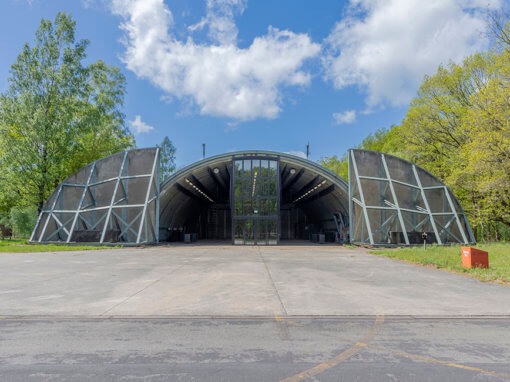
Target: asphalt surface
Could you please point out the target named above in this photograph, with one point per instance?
(223, 313)
(262, 349)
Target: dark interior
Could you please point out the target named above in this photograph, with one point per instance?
(197, 200)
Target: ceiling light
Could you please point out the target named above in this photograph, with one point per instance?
(292, 171)
(310, 191)
(216, 170)
(199, 190)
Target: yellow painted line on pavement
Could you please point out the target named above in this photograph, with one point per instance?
(282, 327)
(281, 319)
(432, 360)
(342, 356)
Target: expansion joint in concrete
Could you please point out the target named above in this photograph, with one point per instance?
(140, 291)
(284, 311)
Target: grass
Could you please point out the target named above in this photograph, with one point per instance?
(449, 258)
(21, 245)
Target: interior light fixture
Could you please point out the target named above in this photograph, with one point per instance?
(292, 171)
(199, 190)
(254, 183)
(216, 170)
(310, 191)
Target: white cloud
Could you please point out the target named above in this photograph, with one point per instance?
(221, 78)
(385, 47)
(138, 126)
(300, 154)
(348, 116)
(220, 20)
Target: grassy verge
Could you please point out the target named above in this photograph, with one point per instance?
(449, 259)
(16, 245)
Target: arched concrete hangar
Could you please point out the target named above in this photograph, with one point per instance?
(255, 197)
(252, 198)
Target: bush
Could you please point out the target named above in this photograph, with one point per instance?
(5, 219)
(23, 221)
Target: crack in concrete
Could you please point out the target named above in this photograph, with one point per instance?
(141, 290)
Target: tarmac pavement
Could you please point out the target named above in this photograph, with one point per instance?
(254, 349)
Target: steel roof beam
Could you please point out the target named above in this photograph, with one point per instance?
(218, 183)
(190, 194)
(201, 186)
(284, 174)
(311, 184)
(226, 179)
(293, 181)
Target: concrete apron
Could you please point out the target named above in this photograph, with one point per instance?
(220, 280)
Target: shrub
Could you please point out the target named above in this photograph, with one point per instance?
(23, 221)
(5, 219)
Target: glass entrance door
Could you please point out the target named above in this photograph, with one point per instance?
(255, 201)
(253, 231)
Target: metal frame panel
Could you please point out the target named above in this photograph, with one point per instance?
(151, 181)
(355, 177)
(362, 201)
(109, 213)
(395, 199)
(77, 208)
(50, 214)
(454, 210)
(85, 189)
(426, 202)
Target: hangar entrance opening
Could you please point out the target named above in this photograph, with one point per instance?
(254, 198)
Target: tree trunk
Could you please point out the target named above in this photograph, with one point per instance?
(44, 171)
(40, 201)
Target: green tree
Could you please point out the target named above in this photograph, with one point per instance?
(57, 115)
(499, 28)
(167, 158)
(339, 166)
(23, 220)
(458, 128)
(484, 171)
(384, 140)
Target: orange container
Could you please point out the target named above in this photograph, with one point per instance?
(472, 257)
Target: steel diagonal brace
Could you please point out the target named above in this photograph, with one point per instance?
(445, 229)
(62, 227)
(128, 225)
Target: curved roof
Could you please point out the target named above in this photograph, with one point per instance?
(177, 195)
(227, 156)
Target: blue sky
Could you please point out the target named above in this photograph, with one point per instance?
(246, 74)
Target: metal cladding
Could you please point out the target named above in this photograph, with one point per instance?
(112, 200)
(393, 201)
(252, 198)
